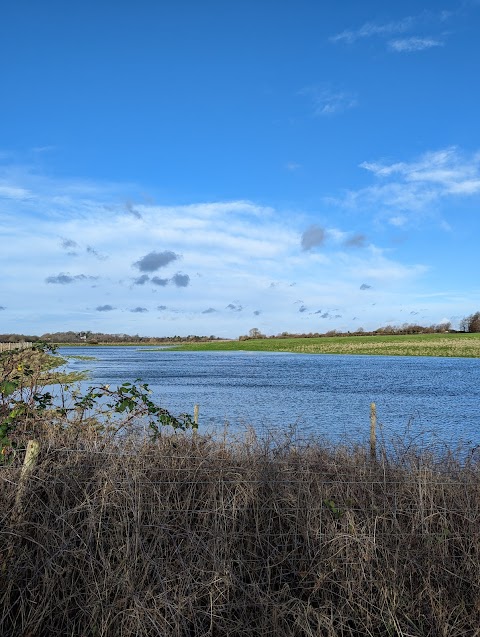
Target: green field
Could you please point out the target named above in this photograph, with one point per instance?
(462, 345)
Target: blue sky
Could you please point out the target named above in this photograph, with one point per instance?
(207, 167)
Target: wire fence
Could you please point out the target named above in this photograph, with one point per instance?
(7, 347)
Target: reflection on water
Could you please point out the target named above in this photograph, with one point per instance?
(322, 394)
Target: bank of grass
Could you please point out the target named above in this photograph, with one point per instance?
(456, 344)
(189, 536)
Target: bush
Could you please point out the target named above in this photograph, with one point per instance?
(28, 409)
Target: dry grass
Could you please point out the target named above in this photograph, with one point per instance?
(192, 537)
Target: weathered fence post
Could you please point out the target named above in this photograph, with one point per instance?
(29, 462)
(195, 414)
(373, 431)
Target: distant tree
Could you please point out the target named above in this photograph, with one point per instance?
(470, 323)
(255, 333)
(444, 327)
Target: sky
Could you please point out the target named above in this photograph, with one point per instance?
(187, 167)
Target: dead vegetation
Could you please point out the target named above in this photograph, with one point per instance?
(188, 536)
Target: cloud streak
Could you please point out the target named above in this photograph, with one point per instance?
(129, 207)
(372, 29)
(413, 44)
(65, 278)
(327, 101)
(96, 254)
(386, 31)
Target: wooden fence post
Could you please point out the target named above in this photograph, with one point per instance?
(373, 431)
(29, 462)
(195, 415)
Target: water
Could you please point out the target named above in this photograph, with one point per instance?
(322, 394)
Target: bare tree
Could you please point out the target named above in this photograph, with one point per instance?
(255, 333)
(470, 323)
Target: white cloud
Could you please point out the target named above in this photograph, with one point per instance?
(370, 29)
(231, 252)
(398, 221)
(12, 192)
(407, 191)
(448, 169)
(413, 44)
(386, 30)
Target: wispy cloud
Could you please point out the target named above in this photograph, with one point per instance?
(371, 29)
(65, 278)
(406, 191)
(13, 192)
(129, 207)
(413, 44)
(385, 31)
(138, 310)
(328, 101)
(96, 254)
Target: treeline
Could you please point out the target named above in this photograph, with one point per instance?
(406, 328)
(96, 338)
(470, 323)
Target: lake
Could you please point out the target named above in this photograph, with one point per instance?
(325, 395)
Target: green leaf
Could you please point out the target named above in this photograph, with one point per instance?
(7, 387)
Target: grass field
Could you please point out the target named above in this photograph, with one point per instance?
(462, 345)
